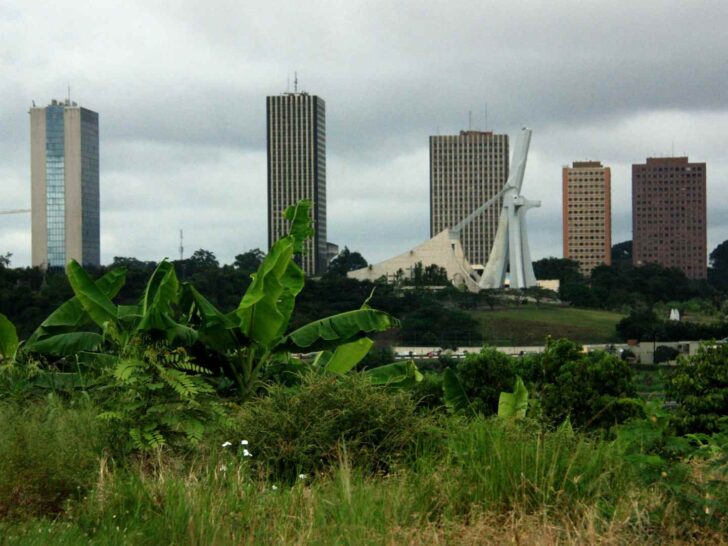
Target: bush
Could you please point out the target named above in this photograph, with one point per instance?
(428, 392)
(48, 454)
(700, 386)
(304, 429)
(594, 390)
(157, 396)
(484, 375)
(663, 353)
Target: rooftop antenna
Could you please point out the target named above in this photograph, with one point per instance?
(295, 82)
(181, 246)
(69, 93)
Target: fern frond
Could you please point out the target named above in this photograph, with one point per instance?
(125, 368)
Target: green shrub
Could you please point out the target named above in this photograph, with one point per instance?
(303, 429)
(157, 396)
(48, 454)
(428, 392)
(484, 376)
(595, 390)
(663, 353)
(700, 386)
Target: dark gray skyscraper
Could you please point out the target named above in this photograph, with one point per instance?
(466, 170)
(64, 176)
(297, 168)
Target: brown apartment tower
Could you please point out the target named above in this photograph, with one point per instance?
(669, 220)
(587, 214)
(466, 170)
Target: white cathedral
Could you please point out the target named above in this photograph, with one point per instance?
(510, 258)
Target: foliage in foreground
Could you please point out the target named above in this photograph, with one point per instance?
(306, 429)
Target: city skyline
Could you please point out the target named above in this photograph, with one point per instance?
(184, 132)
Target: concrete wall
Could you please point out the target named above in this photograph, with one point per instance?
(72, 160)
(38, 215)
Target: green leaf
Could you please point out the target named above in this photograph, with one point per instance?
(267, 305)
(348, 355)
(215, 329)
(300, 229)
(337, 329)
(397, 374)
(66, 344)
(71, 316)
(261, 319)
(98, 306)
(161, 292)
(514, 404)
(455, 398)
(8, 338)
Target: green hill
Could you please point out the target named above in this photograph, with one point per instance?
(529, 325)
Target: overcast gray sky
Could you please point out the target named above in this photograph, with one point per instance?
(180, 88)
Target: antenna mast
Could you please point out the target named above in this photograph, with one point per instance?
(181, 246)
(295, 82)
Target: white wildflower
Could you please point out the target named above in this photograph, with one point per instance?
(223, 468)
(274, 488)
(227, 444)
(247, 453)
(243, 442)
(302, 476)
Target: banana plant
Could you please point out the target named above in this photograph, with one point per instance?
(247, 339)
(514, 404)
(8, 340)
(254, 335)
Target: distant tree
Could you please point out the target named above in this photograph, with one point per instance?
(718, 272)
(5, 259)
(719, 257)
(641, 324)
(250, 260)
(563, 269)
(622, 254)
(346, 261)
(203, 259)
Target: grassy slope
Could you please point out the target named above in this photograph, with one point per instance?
(529, 325)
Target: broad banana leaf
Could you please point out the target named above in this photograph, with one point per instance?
(299, 218)
(8, 338)
(98, 306)
(67, 344)
(399, 374)
(266, 307)
(71, 316)
(348, 355)
(161, 292)
(335, 330)
(455, 398)
(514, 404)
(215, 329)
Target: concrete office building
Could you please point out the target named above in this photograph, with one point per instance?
(64, 173)
(587, 214)
(296, 134)
(669, 220)
(466, 170)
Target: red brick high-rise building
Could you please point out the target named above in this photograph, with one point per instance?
(669, 220)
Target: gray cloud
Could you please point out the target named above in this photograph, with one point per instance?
(180, 89)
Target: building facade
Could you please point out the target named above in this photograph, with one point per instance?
(669, 215)
(296, 135)
(587, 214)
(466, 170)
(64, 173)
